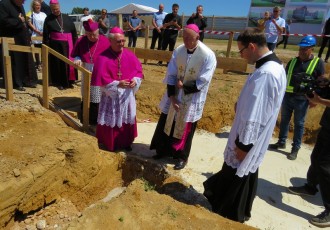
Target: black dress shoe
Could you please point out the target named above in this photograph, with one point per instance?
(61, 88)
(180, 164)
(20, 88)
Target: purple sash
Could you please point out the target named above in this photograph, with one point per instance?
(67, 37)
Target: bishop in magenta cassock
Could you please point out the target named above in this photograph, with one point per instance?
(119, 74)
(86, 52)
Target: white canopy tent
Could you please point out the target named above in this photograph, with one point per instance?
(145, 13)
(128, 9)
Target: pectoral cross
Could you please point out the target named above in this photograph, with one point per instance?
(119, 74)
(62, 31)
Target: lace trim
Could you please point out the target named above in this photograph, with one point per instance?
(95, 94)
(230, 158)
(250, 132)
(117, 106)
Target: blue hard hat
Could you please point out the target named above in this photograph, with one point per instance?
(307, 41)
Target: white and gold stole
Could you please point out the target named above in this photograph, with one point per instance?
(188, 70)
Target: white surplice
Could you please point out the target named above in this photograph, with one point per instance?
(256, 114)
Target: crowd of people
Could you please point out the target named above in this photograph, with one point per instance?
(117, 75)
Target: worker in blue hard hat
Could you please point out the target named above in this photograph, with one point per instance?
(305, 66)
(307, 41)
(318, 174)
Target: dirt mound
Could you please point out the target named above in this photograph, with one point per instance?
(140, 208)
(56, 177)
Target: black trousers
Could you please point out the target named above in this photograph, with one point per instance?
(132, 37)
(201, 36)
(93, 113)
(323, 45)
(169, 41)
(37, 56)
(319, 170)
(231, 196)
(284, 40)
(156, 36)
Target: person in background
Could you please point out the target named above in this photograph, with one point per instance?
(86, 52)
(157, 32)
(319, 170)
(142, 28)
(13, 25)
(188, 77)
(274, 27)
(104, 23)
(60, 34)
(198, 19)
(125, 26)
(285, 37)
(119, 74)
(36, 24)
(172, 24)
(86, 16)
(325, 40)
(295, 102)
(262, 21)
(232, 190)
(45, 8)
(134, 26)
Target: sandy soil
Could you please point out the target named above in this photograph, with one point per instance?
(58, 178)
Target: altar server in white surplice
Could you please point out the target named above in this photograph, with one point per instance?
(188, 78)
(232, 190)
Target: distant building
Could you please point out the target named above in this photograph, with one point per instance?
(301, 14)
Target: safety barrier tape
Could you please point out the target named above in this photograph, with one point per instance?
(231, 32)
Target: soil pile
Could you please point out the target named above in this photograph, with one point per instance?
(54, 177)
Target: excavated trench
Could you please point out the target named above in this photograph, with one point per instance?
(67, 207)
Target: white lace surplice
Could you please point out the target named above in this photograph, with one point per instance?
(256, 114)
(118, 105)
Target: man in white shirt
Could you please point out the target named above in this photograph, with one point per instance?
(157, 32)
(274, 27)
(85, 17)
(232, 190)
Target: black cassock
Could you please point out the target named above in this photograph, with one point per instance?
(61, 74)
(23, 68)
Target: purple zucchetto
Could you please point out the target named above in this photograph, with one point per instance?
(90, 25)
(53, 2)
(116, 30)
(193, 27)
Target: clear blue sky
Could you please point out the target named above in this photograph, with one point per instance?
(235, 8)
